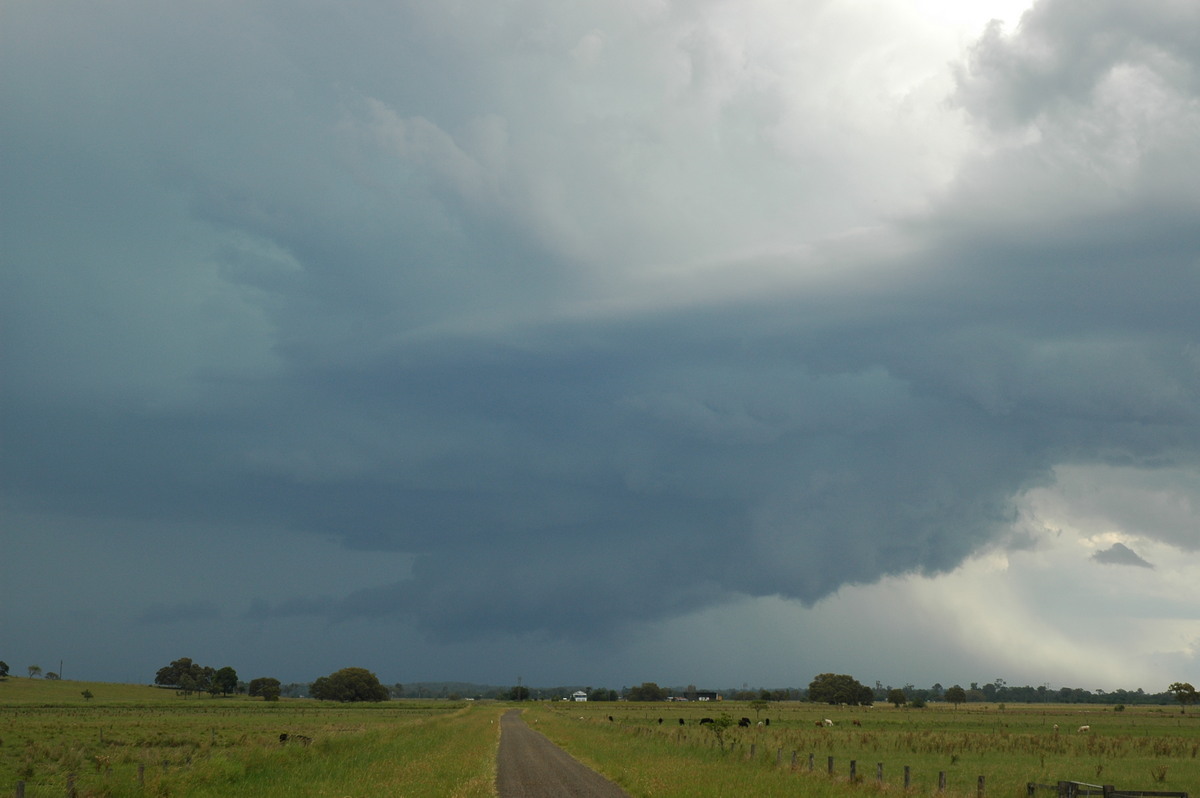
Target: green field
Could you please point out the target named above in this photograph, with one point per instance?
(1140, 748)
(131, 740)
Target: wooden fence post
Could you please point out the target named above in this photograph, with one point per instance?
(980, 790)
(907, 777)
(20, 789)
(830, 766)
(753, 749)
(879, 772)
(941, 781)
(71, 793)
(794, 759)
(810, 763)
(853, 771)
(141, 773)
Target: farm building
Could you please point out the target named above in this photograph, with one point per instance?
(579, 695)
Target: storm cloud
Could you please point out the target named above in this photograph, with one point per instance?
(593, 319)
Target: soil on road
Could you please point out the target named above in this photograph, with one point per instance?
(530, 766)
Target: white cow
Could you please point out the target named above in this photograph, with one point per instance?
(1085, 728)
(828, 722)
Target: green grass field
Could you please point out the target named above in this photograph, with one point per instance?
(131, 740)
(1140, 748)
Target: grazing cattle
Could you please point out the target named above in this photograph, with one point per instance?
(1056, 728)
(856, 722)
(767, 721)
(705, 720)
(828, 722)
(1085, 728)
(610, 720)
(744, 722)
(818, 724)
(660, 721)
(681, 721)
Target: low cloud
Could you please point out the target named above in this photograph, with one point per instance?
(1120, 554)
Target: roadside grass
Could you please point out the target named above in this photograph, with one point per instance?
(133, 740)
(1141, 748)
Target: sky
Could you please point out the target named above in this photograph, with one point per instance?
(597, 343)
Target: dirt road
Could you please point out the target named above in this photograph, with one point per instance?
(530, 766)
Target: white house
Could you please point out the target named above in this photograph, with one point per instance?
(579, 695)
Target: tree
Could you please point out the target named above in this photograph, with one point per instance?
(838, 688)
(262, 685)
(956, 695)
(1185, 694)
(3, 669)
(647, 691)
(34, 670)
(87, 695)
(349, 684)
(225, 680)
(519, 693)
(896, 697)
(758, 706)
(719, 726)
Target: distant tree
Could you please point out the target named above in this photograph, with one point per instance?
(3, 669)
(51, 676)
(519, 693)
(34, 670)
(647, 691)
(225, 681)
(838, 688)
(602, 694)
(758, 706)
(257, 686)
(349, 684)
(87, 695)
(896, 697)
(1184, 693)
(956, 695)
(178, 672)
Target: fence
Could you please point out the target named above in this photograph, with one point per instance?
(1077, 789)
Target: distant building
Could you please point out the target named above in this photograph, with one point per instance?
(701, 695)
(579, 695)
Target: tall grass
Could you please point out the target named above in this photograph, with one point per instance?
(1146, 748)
(131, 740)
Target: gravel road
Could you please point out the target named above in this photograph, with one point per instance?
(530, 766)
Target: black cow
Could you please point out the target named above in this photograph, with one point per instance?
(705, 720)
(744, 722)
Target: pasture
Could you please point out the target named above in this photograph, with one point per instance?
(131, 740)
(1140, 748)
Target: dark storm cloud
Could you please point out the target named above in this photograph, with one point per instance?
(1120, 554)
(183, 612)
(409, 302)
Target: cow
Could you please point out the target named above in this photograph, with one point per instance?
(828, 722)
(705, 720)
(1085, 728)
(744, 722)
